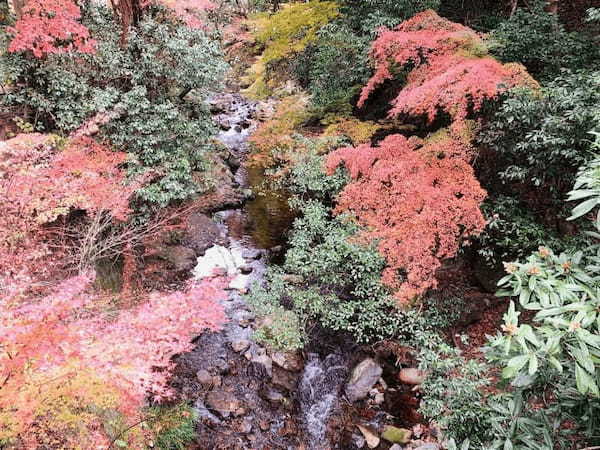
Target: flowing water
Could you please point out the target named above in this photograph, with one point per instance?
(318, 394)
(252, 231)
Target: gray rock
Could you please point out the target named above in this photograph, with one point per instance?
(180, 258)
(273, 395)
(284, 379)
(428, 446)
(201, 233)
(251, 253)
(205, 415)
(240, 345)
(225, 403)
(263, 363)
(395, 447)
(363, 378)
(291, 361)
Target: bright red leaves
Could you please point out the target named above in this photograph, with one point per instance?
(51, 26)
(418, 202)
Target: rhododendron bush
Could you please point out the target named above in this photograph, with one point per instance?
(449, 70)
(52, 345)
(418, 201)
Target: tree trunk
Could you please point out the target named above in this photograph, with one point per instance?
(552, 6)
(129, 13)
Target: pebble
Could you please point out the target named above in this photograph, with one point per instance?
(412, 375)
(240, 345)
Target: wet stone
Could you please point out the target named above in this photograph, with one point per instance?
(225, 403)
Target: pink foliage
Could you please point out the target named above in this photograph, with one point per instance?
(39, 184)
(130, 353)
(135, 350)
(51, 26)
(420, 204)
(448, 68)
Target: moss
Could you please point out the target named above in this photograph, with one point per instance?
(281, 35)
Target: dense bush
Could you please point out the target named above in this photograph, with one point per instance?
(513, 232)
(138, 90)
(539, 41)
(455, 402)
(327, 277)
(367, 16)
(543, 138)
(334, 68)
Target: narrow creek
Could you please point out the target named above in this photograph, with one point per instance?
(246, 396)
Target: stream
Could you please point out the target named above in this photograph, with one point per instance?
(245, 396)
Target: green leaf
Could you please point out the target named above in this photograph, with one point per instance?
(583, 208)
(533, 364)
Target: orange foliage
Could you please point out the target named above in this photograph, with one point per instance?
(418, 202)
(449, 68)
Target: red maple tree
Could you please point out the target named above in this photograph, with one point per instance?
(50, 26)
(62, 353)
(418, 202)
(449, 68)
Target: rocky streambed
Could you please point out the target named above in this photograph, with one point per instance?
(337, 396)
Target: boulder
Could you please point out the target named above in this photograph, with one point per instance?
(291, 361)
(396, 435)
(225, 403)
(180, 258)
(412, 376)
(201, 233)
(363, 378)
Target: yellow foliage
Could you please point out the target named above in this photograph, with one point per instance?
(357, 131)
(77, 410)
(283, 34)
(276, 135)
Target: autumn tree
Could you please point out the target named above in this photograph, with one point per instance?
(449, 69)
(50, 26)
(67, 364)
(420, 200)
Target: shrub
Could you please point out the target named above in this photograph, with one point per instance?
(542, 140)
(333, 68)
(453, 393)
(174, 427)
(536, 39)
(136, 98)
(366, 17)
(281, 36)
(513, 232)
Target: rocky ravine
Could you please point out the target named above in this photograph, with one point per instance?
(246, 396)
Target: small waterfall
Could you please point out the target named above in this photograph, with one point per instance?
(318, 393)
